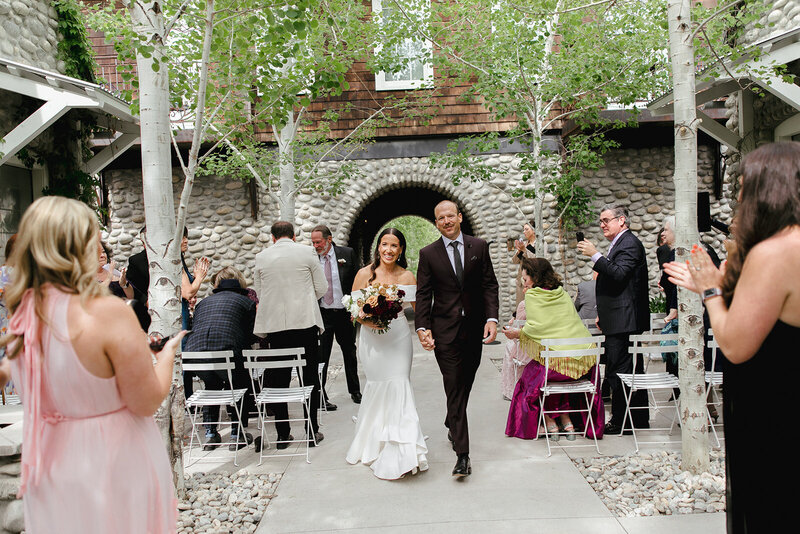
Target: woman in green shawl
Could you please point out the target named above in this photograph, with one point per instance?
(550, 314)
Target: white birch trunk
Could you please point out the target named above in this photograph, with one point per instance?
(285, 137)
(163, 251)
(694, 419)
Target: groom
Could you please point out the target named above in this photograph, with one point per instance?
(457, 307)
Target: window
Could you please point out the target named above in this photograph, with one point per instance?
(417, 71)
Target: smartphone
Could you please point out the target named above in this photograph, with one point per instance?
(579, 236)
(157, 346)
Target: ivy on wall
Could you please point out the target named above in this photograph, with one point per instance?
(74, 49)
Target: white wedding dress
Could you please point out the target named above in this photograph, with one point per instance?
(388, 435)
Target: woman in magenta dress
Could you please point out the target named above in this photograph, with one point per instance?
(550, 314)
(93, 460)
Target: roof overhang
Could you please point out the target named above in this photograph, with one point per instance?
(61, 94)
(727, 76)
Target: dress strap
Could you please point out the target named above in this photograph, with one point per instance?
(25, 324)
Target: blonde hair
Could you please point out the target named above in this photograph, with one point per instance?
(229, 273)
(56, 244)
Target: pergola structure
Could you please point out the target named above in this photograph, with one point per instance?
(734, 77)
(60, 94)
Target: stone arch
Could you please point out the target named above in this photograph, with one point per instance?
(412, 181)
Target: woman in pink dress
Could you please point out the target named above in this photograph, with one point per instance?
(93, 460)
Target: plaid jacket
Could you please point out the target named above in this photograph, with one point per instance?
(223, 321)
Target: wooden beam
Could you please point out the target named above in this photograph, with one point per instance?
(103, 158)
(718, 131)
(31, 127)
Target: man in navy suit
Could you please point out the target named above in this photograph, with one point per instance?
(457, 307)
(340, 267)
(623, 308)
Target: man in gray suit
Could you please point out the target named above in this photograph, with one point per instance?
(585, 301)
(289, 281)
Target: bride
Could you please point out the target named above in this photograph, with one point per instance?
(388, 436)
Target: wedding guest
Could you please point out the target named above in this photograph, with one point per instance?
(288, 276)
(335, 318)
(5, 279)
(93, 460)
(585, 300)
(524, 248)
(623, 309)
(107, 275)
(754, 307)
(550, 314)
(138, 275)
(508, 373)
(224, 321)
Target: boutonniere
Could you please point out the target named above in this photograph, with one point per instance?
(341, 261)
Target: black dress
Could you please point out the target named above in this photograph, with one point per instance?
(760, 483)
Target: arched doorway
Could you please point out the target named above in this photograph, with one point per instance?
(389, 205)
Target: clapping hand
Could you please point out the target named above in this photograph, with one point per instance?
(696, 275)
(201, 268)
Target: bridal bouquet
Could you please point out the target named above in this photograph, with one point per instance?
(379, 303)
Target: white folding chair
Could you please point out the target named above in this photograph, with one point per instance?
(645, 345)
(322, 406)
(214, 361)
(713, 388)
(271, 359)
(589, 387)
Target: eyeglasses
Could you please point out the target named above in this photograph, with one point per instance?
(606, 221)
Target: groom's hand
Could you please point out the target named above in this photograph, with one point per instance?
(426, 339)
(489, 331)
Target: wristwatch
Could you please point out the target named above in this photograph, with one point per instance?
(711, 292)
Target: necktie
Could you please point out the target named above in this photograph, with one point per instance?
(459, 266)
(328, 298)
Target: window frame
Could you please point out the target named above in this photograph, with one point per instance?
(382, 84)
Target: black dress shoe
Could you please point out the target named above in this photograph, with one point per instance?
(614, 430)
(257, 444)
(237, 444)
(450, 437)
(283, 442)
(330, 407)
(211, 440)
(317, 437)
(463, 467)
(356, 398)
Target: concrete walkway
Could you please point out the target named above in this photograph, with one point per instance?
(513, 486)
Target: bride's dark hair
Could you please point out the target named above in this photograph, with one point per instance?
(376, 257)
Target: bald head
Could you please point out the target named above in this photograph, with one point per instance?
(447, 217)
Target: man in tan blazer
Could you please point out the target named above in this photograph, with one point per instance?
(289, 281)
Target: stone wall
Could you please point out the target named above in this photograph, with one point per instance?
(221, 226)
(11, 512)
(29, 33)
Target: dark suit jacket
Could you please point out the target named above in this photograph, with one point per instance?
(622, 289)
(440, 298)
(223, 321)
(348, 269)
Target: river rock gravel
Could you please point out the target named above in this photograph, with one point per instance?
(654, 484)
(225, 502)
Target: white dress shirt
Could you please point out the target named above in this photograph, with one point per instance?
(597, 255)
